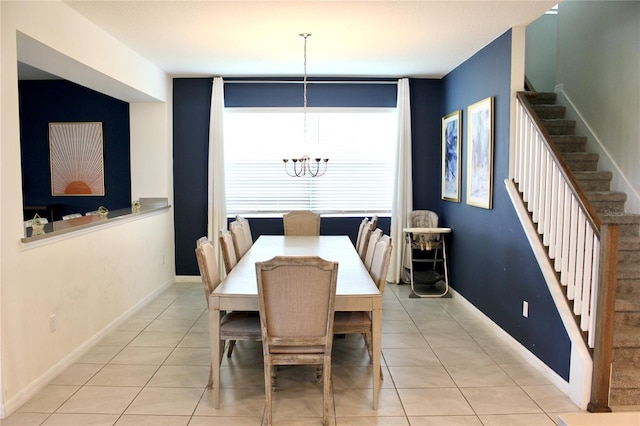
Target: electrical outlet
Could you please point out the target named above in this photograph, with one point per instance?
(53, 323)
(163, 259)
(525, 309)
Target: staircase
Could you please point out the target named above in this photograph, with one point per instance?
(625, 375)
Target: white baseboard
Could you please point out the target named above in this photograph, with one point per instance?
(530, 358)
(620, 182)
(43, 380)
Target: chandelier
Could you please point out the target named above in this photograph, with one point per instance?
(305, 166)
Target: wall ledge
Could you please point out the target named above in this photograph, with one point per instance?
(64, 229)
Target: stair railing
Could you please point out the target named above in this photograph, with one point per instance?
(583, 251)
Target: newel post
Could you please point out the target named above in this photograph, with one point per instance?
(605, 313)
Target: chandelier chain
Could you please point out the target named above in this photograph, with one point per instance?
(304, 86)
(305, 165)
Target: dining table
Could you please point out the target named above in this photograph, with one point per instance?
(355, 291)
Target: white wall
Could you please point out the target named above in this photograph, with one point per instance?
(540, 53)
(598, 76)
(92, 280)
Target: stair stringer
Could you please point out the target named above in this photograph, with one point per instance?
(581, 365)
(620, 181)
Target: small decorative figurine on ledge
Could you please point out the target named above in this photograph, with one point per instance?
(37, 225)
(103, 212)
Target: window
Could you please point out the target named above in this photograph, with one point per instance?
(359, 142)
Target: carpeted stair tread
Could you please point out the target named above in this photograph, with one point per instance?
(593, 175)
(620, 218)
(628, 270)
(629, 243)
(625, 375)
(606, 196)
(625, 397)
(559, 126)
(537, 98)
(628, 302)
(584, 156)
(549, 111)
(626, 336)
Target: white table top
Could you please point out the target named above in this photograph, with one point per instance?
(353, 277)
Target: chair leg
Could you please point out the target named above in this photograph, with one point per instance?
(266, 418)
(210, 383)
(222, 345)
(326, 390)
(367, 341)
(232, 344)
(274, 377)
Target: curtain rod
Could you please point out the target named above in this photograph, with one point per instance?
(310, 82)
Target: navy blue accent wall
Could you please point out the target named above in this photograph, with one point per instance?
(247, 94)
(426, 98)
(192, 99)
(491, 262)
(42, 102)
(191, 107)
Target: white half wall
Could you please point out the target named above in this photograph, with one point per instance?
(95, 279)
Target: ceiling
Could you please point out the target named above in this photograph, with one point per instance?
(245, 38)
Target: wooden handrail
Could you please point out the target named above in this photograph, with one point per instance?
(592, 216)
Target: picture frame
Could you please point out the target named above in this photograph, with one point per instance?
(480, 153)
(451, 153)
(76, 159)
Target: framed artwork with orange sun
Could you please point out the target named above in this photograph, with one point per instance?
(77, 161)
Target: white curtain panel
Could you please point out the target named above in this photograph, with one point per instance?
(403, 185)
(216, 203)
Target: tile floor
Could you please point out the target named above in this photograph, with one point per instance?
(441, 367)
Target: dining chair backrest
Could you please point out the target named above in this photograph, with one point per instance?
(380, 262)
(240, 241)
(246, 228)
(301, 223)
(371, 244)
(364, 241)
(206, 257)
(297, 329)
(373, 223)
(228, 250)
(364, 224)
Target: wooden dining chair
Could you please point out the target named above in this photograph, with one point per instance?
(233, 325)
(371, 245)
(297, 329)
(301, 223)
(359, 322)
(240, 241)
(228, 250)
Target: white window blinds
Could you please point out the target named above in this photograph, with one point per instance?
(360, 144)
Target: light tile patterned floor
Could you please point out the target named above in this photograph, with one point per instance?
(441, 367)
